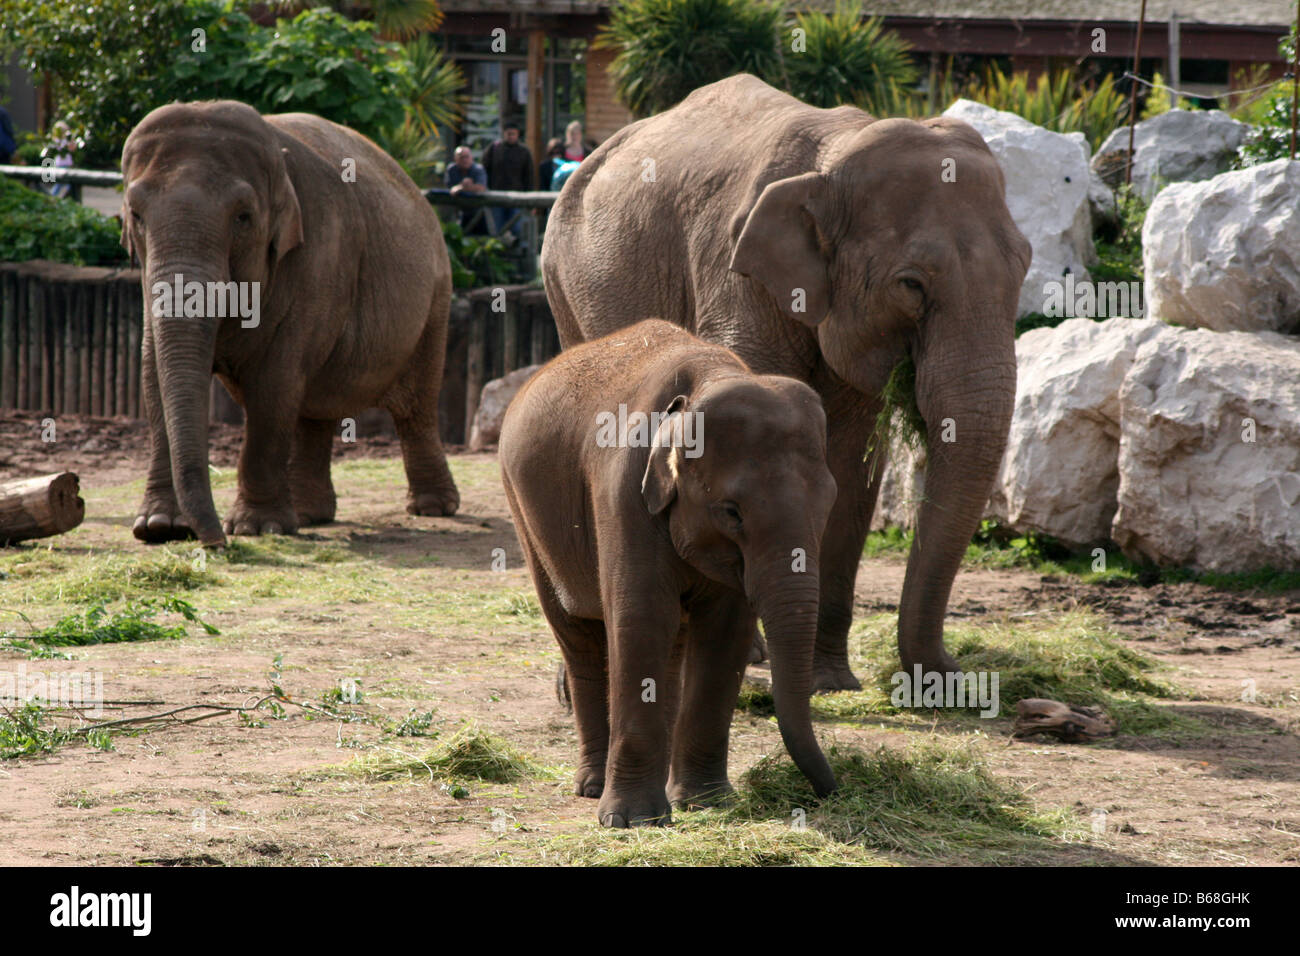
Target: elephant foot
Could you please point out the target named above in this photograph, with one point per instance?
(834, 675)
(942, 662)
(156, 525)
(244, 519)
(433, 503)
(314, 509)
(702, 795)
(589, 782)
(621, 811)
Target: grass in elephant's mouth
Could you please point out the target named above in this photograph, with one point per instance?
(933, 799)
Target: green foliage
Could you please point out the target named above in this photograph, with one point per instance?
(1119, 252)
(1059, 101)
(667, 48)
(476, 261)
(24, 732)
(845, 59)
(1270, 117)
(1157, 100)
(397, 19)
(112, 61)
(36, 226)
(322, 63)
(133, 623)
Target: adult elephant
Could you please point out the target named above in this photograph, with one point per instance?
(293, 258)
(825, 245)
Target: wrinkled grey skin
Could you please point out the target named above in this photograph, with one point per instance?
(655, 564)
(355, 289)
(824, 245)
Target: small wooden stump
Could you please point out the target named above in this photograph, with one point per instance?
(40, 507)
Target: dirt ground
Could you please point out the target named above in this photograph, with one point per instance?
(413, 609)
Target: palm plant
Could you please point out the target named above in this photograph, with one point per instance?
(842, 58)
(1056, 101)
(667, 48)
(437, 99)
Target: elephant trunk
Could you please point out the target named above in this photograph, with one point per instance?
(788, 609)
(183, 351)
(965, 389)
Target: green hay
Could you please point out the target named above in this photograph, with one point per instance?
(468, 754)
(933, 799)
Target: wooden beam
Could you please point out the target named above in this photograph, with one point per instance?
(536, 85)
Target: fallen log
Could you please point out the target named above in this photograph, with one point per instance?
(39, 507)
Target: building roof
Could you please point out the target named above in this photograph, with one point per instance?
(1259, 13)
(1225, 12)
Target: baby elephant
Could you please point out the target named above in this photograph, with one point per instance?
(666, 498)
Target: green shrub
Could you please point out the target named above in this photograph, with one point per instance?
(667, 48)
(1059, 101)
(476, 261)
(112, 61)
(36, 226)
(845, 59)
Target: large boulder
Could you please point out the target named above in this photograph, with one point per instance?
(1224, 254)
(1047, 193)
(1174, 147)
(1209, 457)
(496, 397)
(1059, 473)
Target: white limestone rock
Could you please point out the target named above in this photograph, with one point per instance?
(1174, 147)
(1209, 457)
(496, 397)
(1059, 473)
(1224, 254)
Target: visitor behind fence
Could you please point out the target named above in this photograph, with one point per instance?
(509, 167)
(466, 176)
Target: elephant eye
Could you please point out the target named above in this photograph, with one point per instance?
(729, 512)
(244, 219)
(913, 284)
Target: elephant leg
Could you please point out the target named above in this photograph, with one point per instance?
(264, 504)
(413, 402)
(718, 641)
(310, 487)
(849, 424)
(159, 518)
(642, 698)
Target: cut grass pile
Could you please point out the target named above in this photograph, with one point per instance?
(1068, 656)
(471, 753)
(933, 799)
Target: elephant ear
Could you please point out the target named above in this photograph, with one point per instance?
(286, 214)
(779, 248)
(659, 485)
